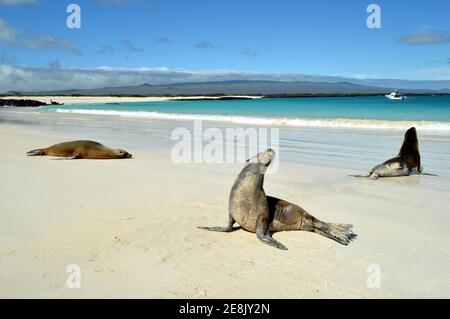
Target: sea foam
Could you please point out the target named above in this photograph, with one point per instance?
(338, 123)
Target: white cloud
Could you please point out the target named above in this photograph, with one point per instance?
(7, 32)
(424, 37)
(252, 53)
(436, 73)
(163, 40)
(6, 59)
(362, 76)
(46, 41)
(205, 45)
(11, 37)
(54, 64)
(128, 45)
(25, 78)
(106, 49)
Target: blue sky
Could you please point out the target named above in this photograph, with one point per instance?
(305, 37)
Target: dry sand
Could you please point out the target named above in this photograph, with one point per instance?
(131, 227)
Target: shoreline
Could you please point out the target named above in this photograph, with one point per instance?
(115, 99)
(65, 99)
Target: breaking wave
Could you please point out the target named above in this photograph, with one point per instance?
(339, 123)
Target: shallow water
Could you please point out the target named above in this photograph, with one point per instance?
(355, 150)
(429, 113)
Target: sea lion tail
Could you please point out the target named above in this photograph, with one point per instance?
(342, 233)
(38, 152)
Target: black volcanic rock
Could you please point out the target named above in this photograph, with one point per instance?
(21, 103)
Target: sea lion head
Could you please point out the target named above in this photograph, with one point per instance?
(410, 143)
(261, 162)
(411, 135)
(122, 154)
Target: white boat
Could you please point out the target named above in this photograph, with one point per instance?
(396, 96)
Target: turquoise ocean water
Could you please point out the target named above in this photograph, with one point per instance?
(431, 113)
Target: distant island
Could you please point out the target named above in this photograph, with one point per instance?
(201, 91)
(271, 89)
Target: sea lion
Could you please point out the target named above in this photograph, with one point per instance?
(405, 163)
(255, 212)
(81, 149)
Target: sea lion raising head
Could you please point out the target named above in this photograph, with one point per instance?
(255, 212)
(81, 149)
(406, 162)
(410, 150)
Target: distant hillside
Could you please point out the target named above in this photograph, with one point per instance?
(235, 88)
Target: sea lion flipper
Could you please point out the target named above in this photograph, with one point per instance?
(227, 229)
(342, 233)
(76, 156)
(217, 229)
(361, 176)
(38, 152)
(268, 240)
(429, 174)
(262, 232)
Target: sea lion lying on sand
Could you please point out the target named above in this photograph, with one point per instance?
(81, 149)
(255, 212)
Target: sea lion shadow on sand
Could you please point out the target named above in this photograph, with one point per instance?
(264, 215)
(81, 150)
(406, 163)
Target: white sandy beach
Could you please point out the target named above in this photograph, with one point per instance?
(131, 224)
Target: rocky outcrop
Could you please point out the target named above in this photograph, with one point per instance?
(20, 103)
